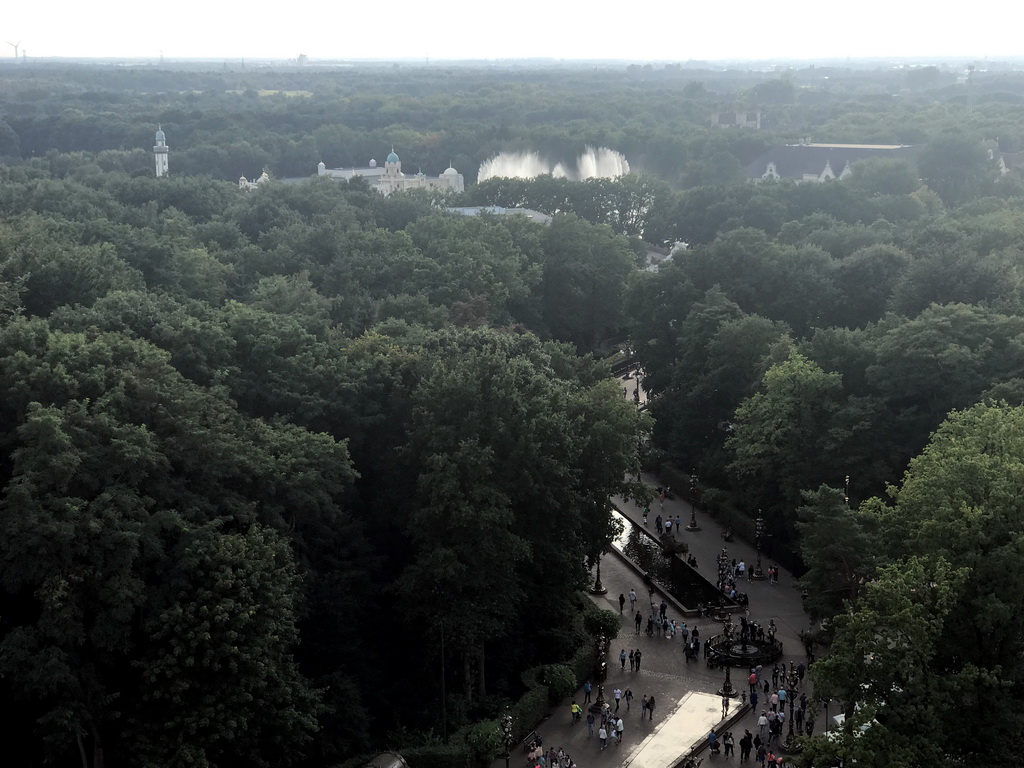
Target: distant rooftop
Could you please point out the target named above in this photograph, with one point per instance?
(497, 210)
(852, 146)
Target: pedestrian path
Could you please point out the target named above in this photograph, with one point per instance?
(688, 705)
(691, 720)
(781, 602)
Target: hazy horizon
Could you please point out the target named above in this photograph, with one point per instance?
(654, 30)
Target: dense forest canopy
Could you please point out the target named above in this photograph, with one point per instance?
(260, 444)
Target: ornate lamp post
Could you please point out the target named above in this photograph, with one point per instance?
(506, 735)
(598, 588)
(759, 573)
(727, 689)
(792, 743)
(693, 504)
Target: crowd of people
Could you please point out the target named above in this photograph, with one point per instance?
(769, 688)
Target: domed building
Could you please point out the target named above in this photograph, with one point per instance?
(391, 179)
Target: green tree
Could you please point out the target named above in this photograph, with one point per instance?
(219, 683)
(930, 627)
(883, 176)
(881, 666)
(839, 548)
(956, 166)
(787, 438)
(585, 271)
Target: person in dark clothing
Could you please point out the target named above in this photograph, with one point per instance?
(745, 745)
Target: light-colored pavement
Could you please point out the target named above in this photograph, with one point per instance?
(664, 673)
(633, 388)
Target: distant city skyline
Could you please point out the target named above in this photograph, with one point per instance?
(654, 30)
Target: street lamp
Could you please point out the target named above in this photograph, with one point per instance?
(727, 689)
(759, 573)
(791, 744)
(598, 588)
(506, 735)
(693, 504)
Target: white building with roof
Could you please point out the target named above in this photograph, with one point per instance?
(391, 179)
(244, 183)
(820, 162)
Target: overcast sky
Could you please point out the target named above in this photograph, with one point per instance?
(674, 30)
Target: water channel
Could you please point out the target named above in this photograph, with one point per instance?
(670, 572)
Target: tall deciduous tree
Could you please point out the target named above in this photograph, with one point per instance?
(786, 438)
(939, 624)
(839, 548)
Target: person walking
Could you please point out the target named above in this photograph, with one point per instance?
(628, 696)
(632, 659)
(587, 688)
(622, 602)
(622, 658)
(752, 681)
(727, 742)
(753, 701)
(577, 712)
(590, 723)
(725, 707)
(637, 659)
(619, 727)
(668, 525)
(632, 600)
(617, 695)
(744, 745)
(638, 620)
(650, 708)
(647, 511)
(679, 523)
(602, 735)
(762, 724)
(643, 707)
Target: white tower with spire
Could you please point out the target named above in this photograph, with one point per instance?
(160, 152)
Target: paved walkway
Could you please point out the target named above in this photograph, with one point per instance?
(664, 673)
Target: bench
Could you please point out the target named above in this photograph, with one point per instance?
(531, 738)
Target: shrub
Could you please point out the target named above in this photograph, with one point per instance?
(484, 740)
(598, 622)
(560, 680)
